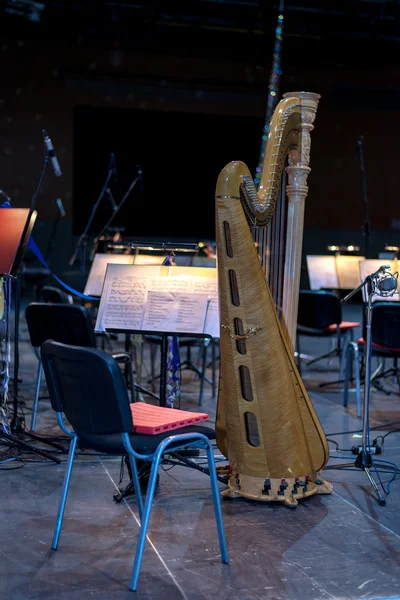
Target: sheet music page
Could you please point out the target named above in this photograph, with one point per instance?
(348, 271)
(127, 288)
(175, 312)
(95, 280)
(122, 301)
(209, 287)
(371, 265)
(322, 272)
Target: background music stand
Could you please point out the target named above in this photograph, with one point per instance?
(16, 226)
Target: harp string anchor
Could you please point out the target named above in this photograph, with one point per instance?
(244, 336)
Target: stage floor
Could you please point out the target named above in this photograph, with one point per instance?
(341, 546)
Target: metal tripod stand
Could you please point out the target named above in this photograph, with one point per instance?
(382, 284)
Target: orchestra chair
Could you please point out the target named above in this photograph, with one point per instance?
(55, 295)
(320, 315)
(67, 323)
(385, 334)
(87, 386)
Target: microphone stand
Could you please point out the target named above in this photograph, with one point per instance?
(367, 222)
(16, 425)
(82, 242)
(117, 209)
(364, 457)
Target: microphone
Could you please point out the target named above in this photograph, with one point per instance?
(380, 271)
(51, 154)
(140, 175)
(387, 284)
(60, 207)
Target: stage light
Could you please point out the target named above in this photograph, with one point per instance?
(349, 248)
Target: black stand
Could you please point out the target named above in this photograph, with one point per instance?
(117, 209)
(364, 457)
(15, 230)
(16, 426)
(81, 246)
(367, 222)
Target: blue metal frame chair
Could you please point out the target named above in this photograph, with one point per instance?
(87, 386)
(69, 324)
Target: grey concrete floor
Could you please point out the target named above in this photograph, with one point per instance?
(341, 546)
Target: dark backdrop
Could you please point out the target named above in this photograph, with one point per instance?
(180, 155)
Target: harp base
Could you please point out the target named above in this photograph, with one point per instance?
(289, 491)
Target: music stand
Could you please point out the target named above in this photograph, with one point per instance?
(16, 226)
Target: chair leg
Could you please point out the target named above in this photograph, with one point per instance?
(64, 493)
(344, 346)
(37, 392)
(217, 503)
(136, 482)
(144, 524)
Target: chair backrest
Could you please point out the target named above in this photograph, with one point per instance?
(87, 385)
(65, 323)
(54, 295)
(385, 324)
(318, 309)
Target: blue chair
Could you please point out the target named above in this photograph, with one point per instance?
(69, 324)
(87, 386)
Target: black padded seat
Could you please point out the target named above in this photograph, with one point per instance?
(141, 443)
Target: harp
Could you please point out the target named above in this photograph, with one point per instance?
(266, 425)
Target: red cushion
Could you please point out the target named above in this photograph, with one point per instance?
(157, 419)
(361, 342)
(343, 326)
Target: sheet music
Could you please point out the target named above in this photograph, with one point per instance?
(322, 272)
(348, 271)
(168, 311)
(127, 290)
(95, 280)
(371, 265)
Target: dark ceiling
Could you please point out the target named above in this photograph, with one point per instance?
(325, 31)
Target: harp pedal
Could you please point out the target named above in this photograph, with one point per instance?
(296, 484)
(282, 487)
(237, 481)
(267, 487)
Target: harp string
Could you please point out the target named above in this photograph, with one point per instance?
(271, 243)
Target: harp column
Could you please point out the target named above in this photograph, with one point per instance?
(297, 189)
